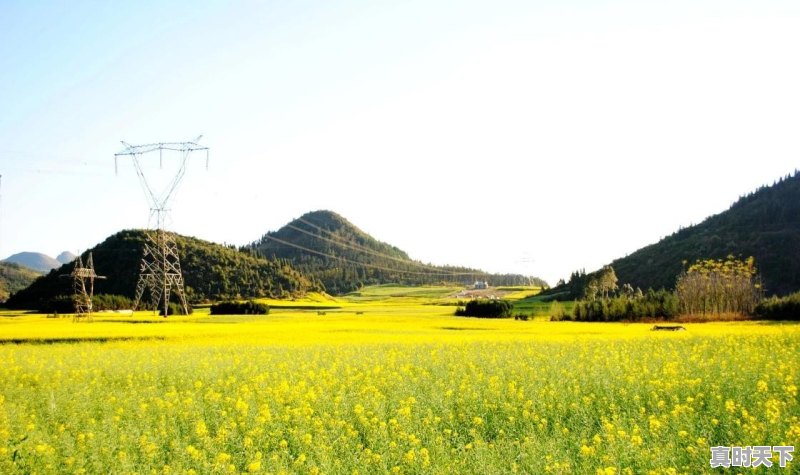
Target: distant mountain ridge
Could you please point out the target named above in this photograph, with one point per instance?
(66, 257)
(329, 248)
(34, 260)
(39, 261)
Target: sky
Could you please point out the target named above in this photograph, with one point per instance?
(534, 137)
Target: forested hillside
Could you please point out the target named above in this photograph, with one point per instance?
(764, 224)
(326, 246)
(14, 277)
(211, 271)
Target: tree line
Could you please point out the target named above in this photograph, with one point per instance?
(708, 288)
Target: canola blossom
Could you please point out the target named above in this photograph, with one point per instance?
(413, 392)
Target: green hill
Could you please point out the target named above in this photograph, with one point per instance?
(344, 258)
(211, 271)
(764, 224)
(14, 277)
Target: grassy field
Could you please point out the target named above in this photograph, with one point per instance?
(534, 306)
(387, 385)
(381, 292)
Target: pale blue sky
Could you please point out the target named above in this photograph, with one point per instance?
(588, 129)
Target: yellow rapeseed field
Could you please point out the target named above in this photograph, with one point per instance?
(382, 387)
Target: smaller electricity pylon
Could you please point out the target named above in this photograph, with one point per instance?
(83, 288)
(160, 270)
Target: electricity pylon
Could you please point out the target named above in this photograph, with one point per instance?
(82, 293)
(160, 269)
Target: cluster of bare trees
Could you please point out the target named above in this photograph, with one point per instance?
(719, 286)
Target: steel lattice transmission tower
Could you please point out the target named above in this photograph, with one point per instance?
(160, 270)
(83, 293)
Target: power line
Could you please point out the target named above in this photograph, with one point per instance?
(326, 231)
(330, 233)
(356, 247)
(49, 163)
(52, 171)
(366, 249)
(303, 248)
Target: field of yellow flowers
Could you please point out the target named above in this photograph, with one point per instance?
(388, 388)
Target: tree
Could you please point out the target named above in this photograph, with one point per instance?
(607, 281)
(719, 286)
(627, 291)
(602, 283)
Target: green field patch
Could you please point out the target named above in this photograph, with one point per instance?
(539, 306)
(381, 292)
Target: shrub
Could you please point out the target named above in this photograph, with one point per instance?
(175, 309)
(111, 302)
(654, 304)
(58, 304)
(232, 307)
(784, 308)
(486, 309)
(557, 312)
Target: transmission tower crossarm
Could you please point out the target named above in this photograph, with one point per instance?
(152, 147)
